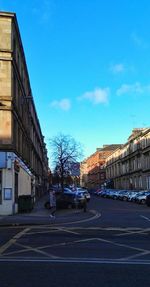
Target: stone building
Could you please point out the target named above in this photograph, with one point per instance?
(23, 154)
(83, 173)
(92, 169)
(129, 166)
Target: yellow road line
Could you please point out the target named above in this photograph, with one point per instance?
(13, 240)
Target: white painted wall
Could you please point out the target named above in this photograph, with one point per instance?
(9, 207)
(6, 208)
(24, 183)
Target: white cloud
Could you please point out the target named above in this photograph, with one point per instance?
(138, 41)
(44, 11)
(135, 88)
(117, 68)
(98, 96)
(63, 104)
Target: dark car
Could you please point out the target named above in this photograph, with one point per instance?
(148, 200)
(67, 199)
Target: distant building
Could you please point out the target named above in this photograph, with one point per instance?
(129, 165)
(23, 153)
(83, 173)
(92, 169)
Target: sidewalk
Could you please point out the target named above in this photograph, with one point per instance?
(40, 215)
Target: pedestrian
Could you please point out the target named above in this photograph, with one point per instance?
(52, 201)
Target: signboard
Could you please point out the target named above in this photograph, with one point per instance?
(7, 193)
(75, 169)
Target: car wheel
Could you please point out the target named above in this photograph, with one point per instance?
(143, 201)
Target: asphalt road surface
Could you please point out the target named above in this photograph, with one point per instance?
(109, 248)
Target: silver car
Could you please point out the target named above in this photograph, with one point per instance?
(84, 192)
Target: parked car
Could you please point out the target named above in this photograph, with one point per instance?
(84, 192)
(102, 193)
(138, 195)
(112, 193)
(148, 200)
(117, 194)
(68, 199)
(142, 198)
(132, 195)
(97, 191)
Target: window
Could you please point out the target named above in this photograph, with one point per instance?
(140, 182)
(148, 182)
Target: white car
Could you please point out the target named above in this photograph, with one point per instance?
(85, 192)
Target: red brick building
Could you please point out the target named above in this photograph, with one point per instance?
(92, 169)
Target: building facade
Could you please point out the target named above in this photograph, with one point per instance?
(23, 154)
(83, 173)
(129, 166)
(92, 169)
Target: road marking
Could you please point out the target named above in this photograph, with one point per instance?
(96, 216)
(136, 255)
(13, 240)
(123, 245)
(29, 248)
(78, 260)
(141, 231)
(56, 229)
(26, 248)
(72, 230)
(68, 231)
(48, 230)
(145, 217)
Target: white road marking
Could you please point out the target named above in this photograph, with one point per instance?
(78, 260)
(148, 219)
(96, 216)
(136, 255)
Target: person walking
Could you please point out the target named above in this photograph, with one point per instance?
(52, 201)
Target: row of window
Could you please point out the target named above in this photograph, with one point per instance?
(139, 162)
(26, 151)
(132, 146)
(135, 182)
(19, 60)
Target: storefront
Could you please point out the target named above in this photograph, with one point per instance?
(15, 180)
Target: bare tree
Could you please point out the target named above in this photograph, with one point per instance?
(64, 150)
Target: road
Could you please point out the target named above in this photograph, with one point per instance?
(109, 248)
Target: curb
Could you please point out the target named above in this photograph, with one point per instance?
(41, 222)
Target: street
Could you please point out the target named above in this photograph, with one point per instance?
(110, 248)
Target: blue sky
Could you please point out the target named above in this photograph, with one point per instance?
(89, 66)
